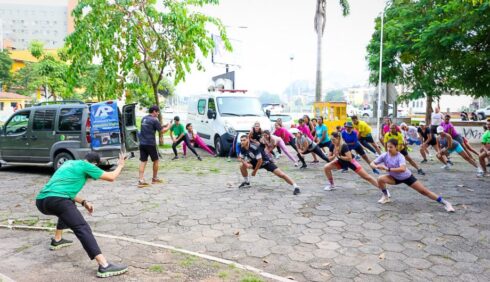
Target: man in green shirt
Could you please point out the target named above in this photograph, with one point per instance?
(179, 134)
(485, 150)
(58, 197)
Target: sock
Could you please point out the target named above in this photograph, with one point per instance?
(246, 179)
(385, 192)
(441, 200)
(104, 266)
(330, 180)
(295, 185)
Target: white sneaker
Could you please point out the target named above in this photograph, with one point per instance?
(479, 173)
(388, 193)
(446, 166)
(449, 207)
(329, 187)
(296, 164)
(384, 199)
(278, 156)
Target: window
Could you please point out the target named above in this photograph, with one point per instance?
(129, 118)
(201, 106)
(43, 120)
(211, 104)
(13, 104)
(1, 106)
(70, 119)
(17, 124)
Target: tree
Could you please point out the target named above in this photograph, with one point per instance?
(434, 47)
(269, 98)
(140, 90)
(320, 20)
(133, 35)
(5, 66)
(335, 96)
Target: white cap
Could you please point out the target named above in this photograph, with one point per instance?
(422, 123)
(403, 124)
(440, 129)
(294, 130)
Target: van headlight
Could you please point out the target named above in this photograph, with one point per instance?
(230, 130)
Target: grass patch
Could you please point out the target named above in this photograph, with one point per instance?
(232, 266)
(223, 275)
(156, 268)
(28, 222)
(251, 278)
(214, 170)
(216, 265)
(22, 248)
(188, 261)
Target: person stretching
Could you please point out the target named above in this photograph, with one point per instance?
(321, 136)
(271, 142)
(305, 129)
(427, 138)
(341, 157)
(394, 163)
(252, 156)
(365, 136)
(485, 149)
(58, 198)
(402, 146)
(350, 138)
(447, 145)
(306, 145)
(194, 138)
(288, 139)
(178, 130)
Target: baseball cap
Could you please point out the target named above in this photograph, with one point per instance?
(349, 124)
(403, 124)
(154, 108)
(294, 131)
(422, 123)
(440, 129)
(176, 118)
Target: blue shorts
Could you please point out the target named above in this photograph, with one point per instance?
(458, 149)
(413, 141)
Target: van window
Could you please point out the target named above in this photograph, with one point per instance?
(211, 104)
(201, 106)
(129, 119)
(70, 119)
(17, 124)
(43, 120)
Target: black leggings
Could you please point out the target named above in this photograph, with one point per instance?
(292, 143)
(318, 152)
(70, 217)
(187, 142)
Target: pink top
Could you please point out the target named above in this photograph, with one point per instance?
(284, 134)
(449, 129)
(306, 130)
(386, 128)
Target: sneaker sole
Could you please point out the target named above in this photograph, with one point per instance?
(110, 274)
(54, 248)
(143, 186)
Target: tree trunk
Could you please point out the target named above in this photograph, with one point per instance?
(160, 119)
(318, 89)
(428, 110)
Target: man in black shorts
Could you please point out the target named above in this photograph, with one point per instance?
(427, 137)
(148, 145)
(253, 157)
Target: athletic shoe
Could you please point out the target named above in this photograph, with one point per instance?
(357, 157)
(384, 199)
(329, 187)
(314, 162)
(111, 270)
(447, 166)
(244, 184)
(142, 184)
(278, 156)
(388, 193)
(175, 158)
(296, 191)
(376, 171)
(420, 171)
(156, 181)
(296, 164)
(344, 170)
(60, 244)
(488, 164)
(479, 173)
(424, 161)
(228, 159)
(450, 162)
(303, 166)
(448, 207)
(199, 158)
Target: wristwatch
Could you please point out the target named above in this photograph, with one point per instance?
(389, 169)
(83, 203)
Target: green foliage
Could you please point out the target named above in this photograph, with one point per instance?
(434, 47)
(5, 66)
(156, 268)
(335, 96)
(37, 49)
(269, 98)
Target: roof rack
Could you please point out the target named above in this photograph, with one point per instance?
(232, 90)
(59, 102)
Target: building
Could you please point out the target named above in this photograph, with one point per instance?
(9, 103)
(359, 96)
(24, 21)
(21, 57)
(447, 103)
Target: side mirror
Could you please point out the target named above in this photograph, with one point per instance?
(211, 114)
(268, 113)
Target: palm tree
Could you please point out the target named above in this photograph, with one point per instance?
(320, 19)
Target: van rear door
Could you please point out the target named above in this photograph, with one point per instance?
(130, 132)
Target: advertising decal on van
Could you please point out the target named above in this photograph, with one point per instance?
(104, 130)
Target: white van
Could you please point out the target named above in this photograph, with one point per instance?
(219, 116)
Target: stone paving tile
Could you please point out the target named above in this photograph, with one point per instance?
(324, 234)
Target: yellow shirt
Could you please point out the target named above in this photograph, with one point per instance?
(363, 128)
(398, 136)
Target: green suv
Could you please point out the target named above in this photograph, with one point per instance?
(48, 134)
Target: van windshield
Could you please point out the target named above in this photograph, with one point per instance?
(239, 106)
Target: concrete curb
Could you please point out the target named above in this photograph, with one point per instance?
(167, 247)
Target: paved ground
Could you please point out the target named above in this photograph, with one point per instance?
(341, 235)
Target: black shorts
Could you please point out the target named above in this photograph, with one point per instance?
(148, 150)
(409, 181)
(269, 167)
(404, 152)
(432, 142)
(326, 144)
(358, 148)
(368, 138)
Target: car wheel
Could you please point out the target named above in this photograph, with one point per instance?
(365, 115)
(218, 146)
(481, 116)
(60, 159)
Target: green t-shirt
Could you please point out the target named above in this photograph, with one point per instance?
(69, 179)
(177, 129)
(485, 139)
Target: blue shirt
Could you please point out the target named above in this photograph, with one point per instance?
(350, 138)
(149, 126)
(320, 131)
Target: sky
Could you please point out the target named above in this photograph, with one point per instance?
(277, 30)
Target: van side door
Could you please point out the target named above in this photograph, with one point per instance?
(202, 127)
(15, 142)
(129, 130)
(42, 134)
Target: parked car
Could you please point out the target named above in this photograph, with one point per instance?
(368, 112)
(219, 116)
(50, 134)
(483, 113)
(287, 120)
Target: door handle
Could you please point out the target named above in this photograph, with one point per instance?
(202, 120)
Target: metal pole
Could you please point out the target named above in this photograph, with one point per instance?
(380, 71)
